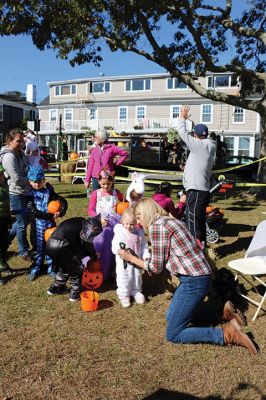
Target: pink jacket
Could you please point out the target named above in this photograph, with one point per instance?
(168, 205)
(101, 158)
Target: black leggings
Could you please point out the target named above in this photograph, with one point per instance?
(197, 201)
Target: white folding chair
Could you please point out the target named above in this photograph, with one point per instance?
(252, 268)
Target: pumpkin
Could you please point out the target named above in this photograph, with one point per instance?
(121, 207)
(209, 209)
(73, 156)
(54, 206)
(48, 233)
(94, 266)
(92, 279)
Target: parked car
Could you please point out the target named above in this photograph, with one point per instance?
(249, 169)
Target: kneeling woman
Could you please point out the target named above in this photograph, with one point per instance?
(174, 247)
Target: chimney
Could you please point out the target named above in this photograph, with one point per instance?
(31, 94)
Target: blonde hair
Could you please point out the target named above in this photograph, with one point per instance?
(129, 212)
(149, 210)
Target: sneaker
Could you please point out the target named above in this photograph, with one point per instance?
(125, 302)
(74, 297)
(53, 289)
(139, 298)
(4, 267)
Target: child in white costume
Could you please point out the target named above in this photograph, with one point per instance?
(129, 278)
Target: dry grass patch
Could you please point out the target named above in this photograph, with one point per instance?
(50, 349)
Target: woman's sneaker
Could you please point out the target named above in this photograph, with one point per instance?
(125, 302)
(53, 289)
(139, 298)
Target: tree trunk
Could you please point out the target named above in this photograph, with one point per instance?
(260, 192)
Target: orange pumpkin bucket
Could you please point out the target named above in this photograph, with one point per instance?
(89, 300)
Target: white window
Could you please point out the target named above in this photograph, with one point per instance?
(68, 114)
(244, 146)
(214, 81)
(122, 114)
(138, 85)
(238, 115)
(175, 111)
(140, 112)
(99, 87)
(229, 141)
(206, 113)
(53, 115)
(1, 112)
(92, 113)
(174, 83)
(65, 90)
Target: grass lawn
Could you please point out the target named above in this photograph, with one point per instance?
(50, 349)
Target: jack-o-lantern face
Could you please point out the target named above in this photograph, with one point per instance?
(92, 279)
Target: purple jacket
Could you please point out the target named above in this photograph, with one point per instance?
(168, 205)
(103, 157)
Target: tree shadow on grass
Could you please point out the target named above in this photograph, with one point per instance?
(76, 195)
(239, 245)
(164, 394)
(243, 209)
(232, 230)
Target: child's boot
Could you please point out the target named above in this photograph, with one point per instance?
(59, 284)
(75, 288)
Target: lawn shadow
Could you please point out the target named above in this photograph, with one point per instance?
(157, 284)
(15, 273)
(76, 196)
(231, 230)
(104, 304)
(239, 245)
(164, 394)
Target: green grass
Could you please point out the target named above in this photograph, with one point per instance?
(50, 349)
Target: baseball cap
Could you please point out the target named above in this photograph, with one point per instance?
(201, 130)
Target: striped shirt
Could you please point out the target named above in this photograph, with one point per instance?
(175, 248)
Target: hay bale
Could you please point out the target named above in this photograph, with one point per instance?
(67, 167)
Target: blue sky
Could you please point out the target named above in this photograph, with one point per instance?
(22, 63)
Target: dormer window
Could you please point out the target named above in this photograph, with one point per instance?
(221, 81)
(65, 90)
(99, 87)
(174, 83)
(138, 85)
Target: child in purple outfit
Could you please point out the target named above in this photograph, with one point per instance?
(163, 198)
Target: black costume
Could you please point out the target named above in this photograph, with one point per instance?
(67, 246)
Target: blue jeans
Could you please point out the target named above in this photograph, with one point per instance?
(95, 184)
(18, 206)
(184, 305)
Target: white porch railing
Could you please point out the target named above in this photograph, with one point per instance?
(131, 125)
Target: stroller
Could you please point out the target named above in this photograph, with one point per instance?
(214, 215)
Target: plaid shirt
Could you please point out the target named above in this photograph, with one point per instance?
(175, 248)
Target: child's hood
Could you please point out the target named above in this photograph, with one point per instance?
(159, 197)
